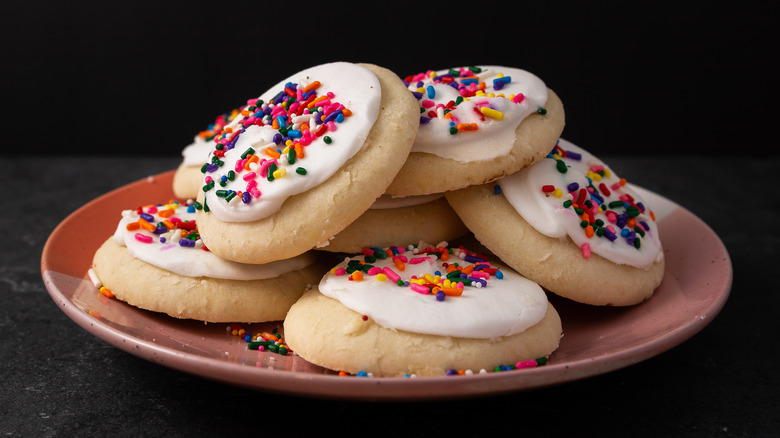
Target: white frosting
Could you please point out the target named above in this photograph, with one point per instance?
(547, 214)
(193, 261)
(387, 201)
(434, 136)
(197, 152)
(355, 87)
(501, 308)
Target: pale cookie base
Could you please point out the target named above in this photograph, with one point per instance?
(534, 139)
(324, 332)
(187, 181)
(205, 299)
(555, 264)
(434, 222)
(312, 217)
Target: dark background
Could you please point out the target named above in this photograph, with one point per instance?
(143, 78)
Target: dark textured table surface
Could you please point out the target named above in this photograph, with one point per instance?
(59, 380)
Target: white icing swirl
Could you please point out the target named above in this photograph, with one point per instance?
(353, 86)
(191, 261)
(546, 212)
(501, 98)
(501, 308)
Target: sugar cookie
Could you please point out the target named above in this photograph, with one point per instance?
(156, 261)
(570, 224)
(305, 160)
(401, 221)
(422, 310)
(477, 124)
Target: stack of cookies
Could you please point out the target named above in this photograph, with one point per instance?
(350, 162)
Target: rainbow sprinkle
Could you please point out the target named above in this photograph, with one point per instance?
(468, 85)
(471, 269)
(299, 115)
(604, 211)
(159, 223)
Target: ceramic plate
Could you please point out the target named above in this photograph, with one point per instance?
(596, 340)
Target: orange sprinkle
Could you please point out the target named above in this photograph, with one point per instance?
(313, 86)
(133, 226)
(357, 276)
(273, 153)
(467, 127)
(346, 112)
(251, 159)
(104, 290)
(399, 263)
(652, 215)
(146, 225)
(168, 212)
(452, 291)
(589, 231)
(299, 150)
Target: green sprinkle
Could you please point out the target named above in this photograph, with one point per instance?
(327, 140)
(221, 193)
(632, 211)
(453, 130)
(561, 166)
(300, 171)
(541, 111)
(248, 152)
(231, 175)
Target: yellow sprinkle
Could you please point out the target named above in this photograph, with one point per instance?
(490, 112)
(381, 277)
(558, 193)
(280, 173)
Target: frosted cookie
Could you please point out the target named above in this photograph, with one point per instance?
(400, 221)
(424, 311)
(570, 224)
(306, 159)
(156, 261)
(477, 124)
(188, 177)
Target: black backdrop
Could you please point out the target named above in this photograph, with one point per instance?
(145, 77)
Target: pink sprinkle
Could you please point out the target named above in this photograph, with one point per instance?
(416, 260)
(480, 274)
(401, 258)
(586, 250)
(374, 271)
(143, 238)
(254, 191)
(526, 364)
(339, 272)
(331, 126)
(250, 176)
(264, 168)
(519, 97)
(428, 103)
(419, 288)
(391, 274)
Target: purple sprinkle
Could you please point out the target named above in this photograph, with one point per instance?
(147, 217)
(573, 187)
(246, 198)
(573, 155)
(187, 243)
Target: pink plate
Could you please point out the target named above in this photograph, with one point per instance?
(596, 339)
